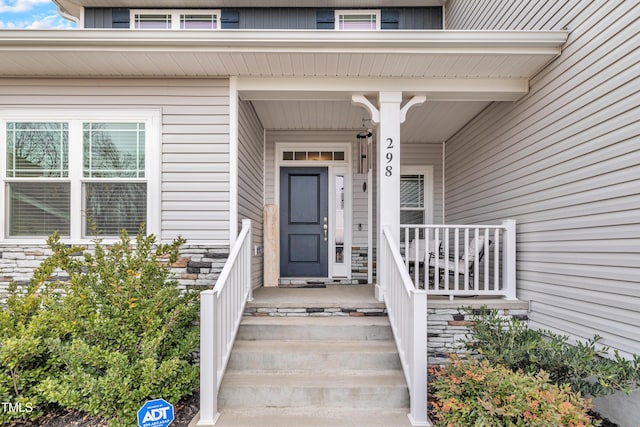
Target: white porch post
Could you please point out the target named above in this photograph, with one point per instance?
(388, 201)
(389, 115)
(509, 259)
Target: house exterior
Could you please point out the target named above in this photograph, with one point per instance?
(190, 116)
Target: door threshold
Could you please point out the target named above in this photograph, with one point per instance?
(314, 282)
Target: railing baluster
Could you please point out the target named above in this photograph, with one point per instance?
(456, 257)
(407, 247)
(416, 258)
(476, 269)
(466, 259)
(486, 260)
(496, 256)
(447, 256)
(436, 268)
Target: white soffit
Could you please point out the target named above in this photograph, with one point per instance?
(436, 56)
(433, 121)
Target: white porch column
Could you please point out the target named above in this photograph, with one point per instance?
(388, 171)
(389, 115)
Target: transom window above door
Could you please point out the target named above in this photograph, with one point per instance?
(313, 155)
(353, 20)
(163, 19)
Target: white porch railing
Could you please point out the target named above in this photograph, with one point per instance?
(407, 310)
(221, 310)
(458, 260)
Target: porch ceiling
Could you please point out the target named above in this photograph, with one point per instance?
(434, 121)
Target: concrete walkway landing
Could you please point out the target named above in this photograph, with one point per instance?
(334, 300)
(345, 296)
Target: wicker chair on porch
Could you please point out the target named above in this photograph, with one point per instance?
(463, 267)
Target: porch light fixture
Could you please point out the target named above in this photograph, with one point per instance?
(364, 149)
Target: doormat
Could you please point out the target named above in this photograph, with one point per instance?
(303, 285)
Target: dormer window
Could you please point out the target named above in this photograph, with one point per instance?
(144, 19)
(347, 20)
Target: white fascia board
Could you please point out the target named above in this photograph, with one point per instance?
(339, 89)
(276, 41)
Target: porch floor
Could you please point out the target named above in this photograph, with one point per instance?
(354, 297)
(339, 296)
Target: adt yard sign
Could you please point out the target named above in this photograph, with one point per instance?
(155, 413)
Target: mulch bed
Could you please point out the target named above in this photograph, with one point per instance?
(184, 411)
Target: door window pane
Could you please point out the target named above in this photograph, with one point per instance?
(339, 219)
(37, 150)
(38, 208)
(113, 150)
(412, 191)
(114, 206)
(411, 217)
(412, 208)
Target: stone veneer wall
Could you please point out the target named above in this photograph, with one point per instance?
(447, 328)
(198, 265)
(359, 264)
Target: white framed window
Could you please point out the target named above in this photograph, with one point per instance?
(66, 170)
(353, 20)
(164, 19)
(416, 195)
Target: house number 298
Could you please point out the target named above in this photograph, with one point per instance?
(389, 156)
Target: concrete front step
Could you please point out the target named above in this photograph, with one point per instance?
(314, 354)
(315, 328)
(314, 371)
(313, 417)
(330, 389)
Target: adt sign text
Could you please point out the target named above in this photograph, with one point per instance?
(155, 413)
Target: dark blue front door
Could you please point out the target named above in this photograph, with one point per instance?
(303, 222)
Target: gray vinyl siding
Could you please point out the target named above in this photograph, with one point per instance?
(420, 18)
(250, 179)
(194, 136)
(565, 163)
(278, 18)
(410, 18)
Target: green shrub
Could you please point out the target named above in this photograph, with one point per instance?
(509, 342)
(117, 333)
(474, 393)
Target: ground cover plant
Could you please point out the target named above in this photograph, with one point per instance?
(113, 332)
(586, 366)
(475, 393)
